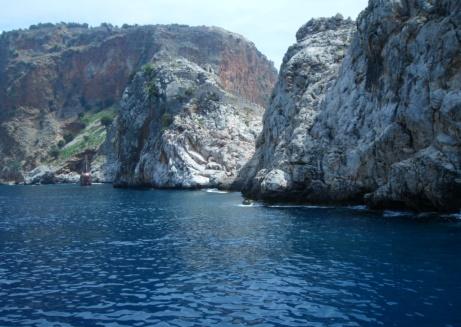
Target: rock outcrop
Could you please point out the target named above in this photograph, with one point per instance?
(40, 175)
(179, 128)
(309, 68)
(50, 75)
(388, 132)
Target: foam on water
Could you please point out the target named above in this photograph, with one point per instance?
(456, 215)
(298, 206)
(215, 190)
(250, 205)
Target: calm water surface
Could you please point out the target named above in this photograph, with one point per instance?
(72, 256)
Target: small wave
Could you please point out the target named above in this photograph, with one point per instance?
(297, 206)
(124, 243)
(215, 190)
(9, 281)
(281, 206)
(391, 213)
(251, 205)
(358, 207)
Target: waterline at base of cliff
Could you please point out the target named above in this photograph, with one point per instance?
(367, 112)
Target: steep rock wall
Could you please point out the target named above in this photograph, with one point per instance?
(278, 169)
(179, 128)
(388, 130)
(49, 74)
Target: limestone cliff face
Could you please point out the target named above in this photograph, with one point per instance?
(49, 74)
(388, 132)
(179, 128)
(309, 68)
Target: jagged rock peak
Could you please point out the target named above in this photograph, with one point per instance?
(317, 25)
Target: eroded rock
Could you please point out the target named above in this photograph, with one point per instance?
(178, 128)
(387, 129)
(50, 74)
(40, 175)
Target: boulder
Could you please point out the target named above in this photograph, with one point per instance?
(40, 175)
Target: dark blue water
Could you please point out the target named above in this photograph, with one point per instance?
(72, 256)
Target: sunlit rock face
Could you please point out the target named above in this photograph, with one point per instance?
(179, 128)
(387, 131)
(49, 74)
(309, 69)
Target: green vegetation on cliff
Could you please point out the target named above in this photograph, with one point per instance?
(92, 136)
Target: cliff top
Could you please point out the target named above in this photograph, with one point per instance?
(81, 28)
(317, 25)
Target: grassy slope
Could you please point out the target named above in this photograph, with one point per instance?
(91, 137)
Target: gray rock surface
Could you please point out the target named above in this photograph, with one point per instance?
(40, 175)
(388, 132)
(52, 74)
(178, 128)
(309, 68)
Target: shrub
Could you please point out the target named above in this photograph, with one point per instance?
(131, 76)
(167, 120)
(189, 92)
(54, 152)
(213, 96)
(61, 143)
(68, 138)
(148, 69)
(152, 90)
(106, 121)
(75, 25)
(107, 26)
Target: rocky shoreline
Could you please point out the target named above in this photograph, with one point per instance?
(61, 86)
(386, 132)
(178, 128)
(364, 112)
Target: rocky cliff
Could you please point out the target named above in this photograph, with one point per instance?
(309, 68)
(56, 79)
(388, 131)
(179, 128)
